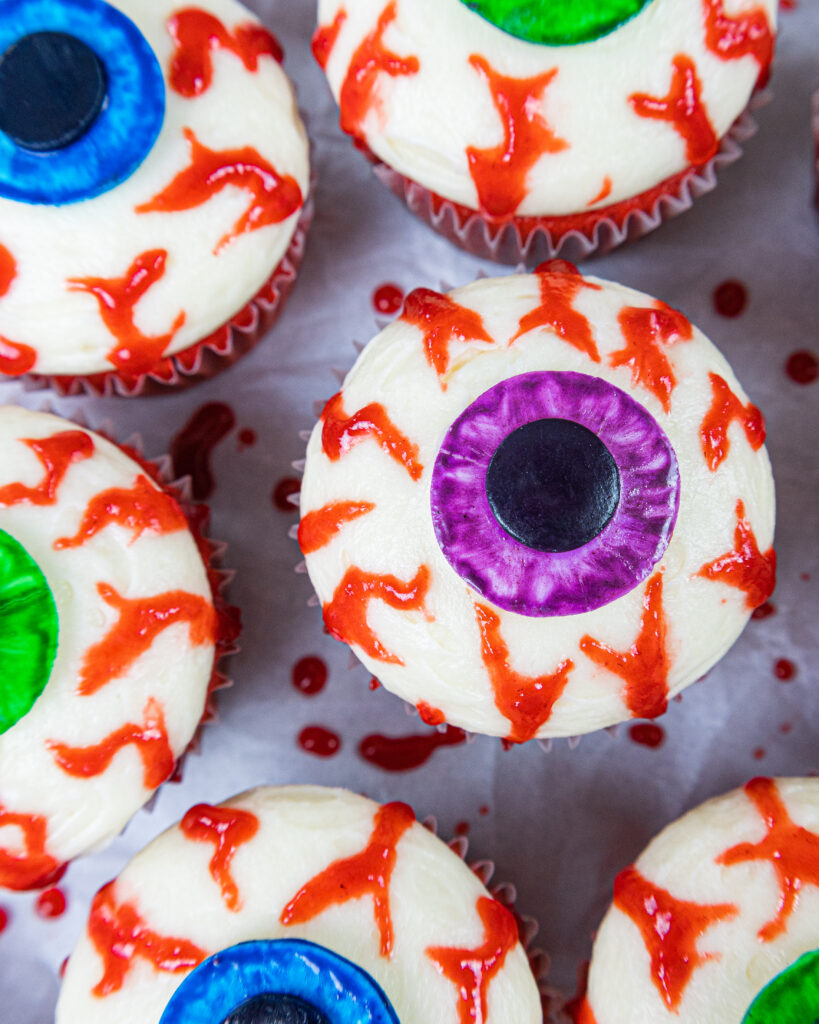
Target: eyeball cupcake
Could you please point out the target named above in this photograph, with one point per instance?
(110, 625)
(522, 130)
(153, 180)
(718, 920)
(300, 905)
(539, 505)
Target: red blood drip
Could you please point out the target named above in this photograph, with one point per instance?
(604, 192)
(404, 753)
(500, 172)
(287, 486)
(746, 567)
(526, 701)
(670, 929)
(149, 737)
(346, 614)
(340, 433)
(56, 454)
(135, 353)
(646, 331)
(196, 33)
(8, 270)
(141, 620)
(31, 868)
(784, 670)
(227, 828)
(120, 936)
(387, 299)
(725, 408)
(442, 321)
(275, 197)
(4, 919)
(358, 91)
(645, 665)
(318, 528)
(192, 447)
(748, 34)
(764, 611)
(730, 297)
(560, 283)
(246, 438)
(647, 734)
(325, 36)
(15, 358)
(802, 367)
(792, 851)
(365, 873)
(309, 675)
(139, 508)
(684, 109)
(429, 714)
(51, 903)
(471, 970)
(315, 739)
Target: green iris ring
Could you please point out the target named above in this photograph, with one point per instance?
(557, 22)
(791, 998)
(28, 631)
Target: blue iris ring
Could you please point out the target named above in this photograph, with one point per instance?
(336, 987)
(124, 132)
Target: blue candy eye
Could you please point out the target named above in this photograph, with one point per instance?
(278, 981)
(82, 99)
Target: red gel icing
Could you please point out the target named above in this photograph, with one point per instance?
(647, 734)
(346, 614)
(791, 850)
(8, 270)
(51, 903)
(56, 454)
(315, 739)
(500, 172)
(764, 611)
(227, 828)
(285, 487)
(683, 108)
(404, 753)
(604, 193)
(340, 433)
(442, 321)
(309, 675)
(139, 508)
(364, 874)
(15, 358)
(31, 868)
(274, 197)
(748, 34)
(646, 331)
(802, 367)
(730, 298)
(584, 1014)
(318, 528)
(325, 36)
(120, 935)
(644, 667)
(670, 929)
(149, 737)
(387, 299)
(429, 714)
(471, 970)
(196, 33)
(725, 408)
(192, 447)
(140, 621)
(746, 567)
(784, 669)
(372, 59)
(526, 701)
(560, 283)
(4, 919)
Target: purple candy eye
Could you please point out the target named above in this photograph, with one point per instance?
(554, 493)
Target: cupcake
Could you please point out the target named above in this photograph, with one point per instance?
(522, 130)
(304, 905)
(110, 625)
(718, 920)
(539, 505)
(153, 179)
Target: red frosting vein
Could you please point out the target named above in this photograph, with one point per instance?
(227, 828)
(725, 408)
(56, 454)
(341, 432)
(317, 528)
(646, 331)
(745, 567)
(32, 867)
(560, 284)
(325, 36)
(442, 321)
(747, 34)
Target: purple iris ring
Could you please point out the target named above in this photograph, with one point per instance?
(633, 536)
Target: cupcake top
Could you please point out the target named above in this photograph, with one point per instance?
(341, 875)
(539, 505)
(138, 219)
(107, 641)
(718, 920)
(524, 109)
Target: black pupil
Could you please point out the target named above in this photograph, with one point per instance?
(52, 87)
(275, 1008)
(553, 485)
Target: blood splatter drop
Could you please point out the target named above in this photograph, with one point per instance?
(730, 298)
(246, 438)
(192, 447)
(462, 828)
(287, 486)
(784, 669)
(647, 734)
(403, 753)
(785, 728)
(51, 903)
(483, 810)
(764, 611)
(802, 367)
(388, 299)
(374, 683)
(759, 753)
(309, 675)
(315, 739)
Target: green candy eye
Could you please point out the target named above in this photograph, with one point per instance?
(791, 998)
(557, 22)
(28, 631)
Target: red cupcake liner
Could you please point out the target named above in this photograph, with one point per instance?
(574, 237)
